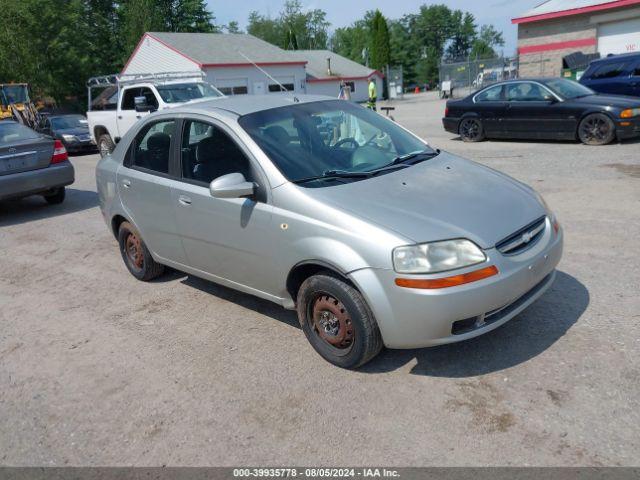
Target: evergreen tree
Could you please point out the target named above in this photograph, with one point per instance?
(380, 51)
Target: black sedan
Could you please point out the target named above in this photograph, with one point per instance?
(71, 130)
(544, 108)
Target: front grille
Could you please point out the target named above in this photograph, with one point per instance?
(523, 239)
(473, 323)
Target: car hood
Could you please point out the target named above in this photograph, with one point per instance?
(442, 198)
(72, 131)
(619, 101)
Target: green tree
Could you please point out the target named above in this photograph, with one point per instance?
(233, 27)
(293, 28)
(488, 39)
(380, 50)
(463, 29)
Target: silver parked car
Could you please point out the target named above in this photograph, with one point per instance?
(326, 207)
(32, 164)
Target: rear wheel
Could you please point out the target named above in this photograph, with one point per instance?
(596, 129)
(56, 196)
(105, 145)
(136, 255)
(337, 321)
(471, 130)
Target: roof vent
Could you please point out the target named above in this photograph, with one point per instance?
(329, 66)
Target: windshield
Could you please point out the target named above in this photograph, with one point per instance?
(313, 139)
(568, 88)
(68, 122)
(14, 94)
(14, 132)
(184, 92)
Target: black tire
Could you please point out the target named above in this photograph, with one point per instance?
(471, 130)
(105, 145)
(596, 129)
(56, 196)
(354, 338)
(136, 255)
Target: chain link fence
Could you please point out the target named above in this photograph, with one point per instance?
(458, 79)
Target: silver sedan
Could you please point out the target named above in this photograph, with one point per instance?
(32, 164)
(328, 208)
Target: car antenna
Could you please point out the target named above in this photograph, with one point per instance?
(282, 87)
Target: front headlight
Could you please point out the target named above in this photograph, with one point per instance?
(630, 112)
(69, 138)
(437, 256)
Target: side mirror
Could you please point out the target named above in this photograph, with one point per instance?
(141, 104)
(231, 185)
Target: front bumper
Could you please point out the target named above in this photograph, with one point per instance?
(413, 318)
(16, 185)
(451, 124)
(628, 128)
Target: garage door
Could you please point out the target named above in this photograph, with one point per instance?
(232, 86)
(619, 37)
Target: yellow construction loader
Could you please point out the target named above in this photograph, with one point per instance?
(16, 104)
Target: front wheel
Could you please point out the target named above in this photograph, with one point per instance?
(337, 321)
(471, 130)
(105, 145)
(596, 129)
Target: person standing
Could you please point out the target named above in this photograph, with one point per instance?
(373, 95)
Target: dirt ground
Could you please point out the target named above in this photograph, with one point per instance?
(98, 368)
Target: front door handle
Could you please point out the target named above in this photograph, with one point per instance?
(119, 117)
(184, 200)
(126, 183)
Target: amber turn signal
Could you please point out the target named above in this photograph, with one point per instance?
(446, 282)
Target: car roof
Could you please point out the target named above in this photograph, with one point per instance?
(617, 58)
(245, 104)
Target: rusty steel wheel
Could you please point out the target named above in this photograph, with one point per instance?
(331, 322)
(133, 248)
(135, 254)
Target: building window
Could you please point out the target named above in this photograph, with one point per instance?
(235, 90)
(274, 87)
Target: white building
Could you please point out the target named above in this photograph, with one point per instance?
(226, 59)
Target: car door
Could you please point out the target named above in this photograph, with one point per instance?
(535, 112)
(228, 238)
(634, 80)
(144, 182)
(127, 115)
(490, 105)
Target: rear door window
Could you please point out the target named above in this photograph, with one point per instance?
(151, 149)
(493, 94)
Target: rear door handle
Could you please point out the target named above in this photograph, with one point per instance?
(184, 200)
(126, 183)
(119, 117)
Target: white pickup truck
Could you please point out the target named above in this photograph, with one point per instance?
(124, 99)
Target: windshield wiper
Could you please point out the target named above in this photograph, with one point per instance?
(406, 159)
(331, 174)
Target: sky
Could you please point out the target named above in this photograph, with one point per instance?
(342, 13)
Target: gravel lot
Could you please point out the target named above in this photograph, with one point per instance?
(98, 368)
